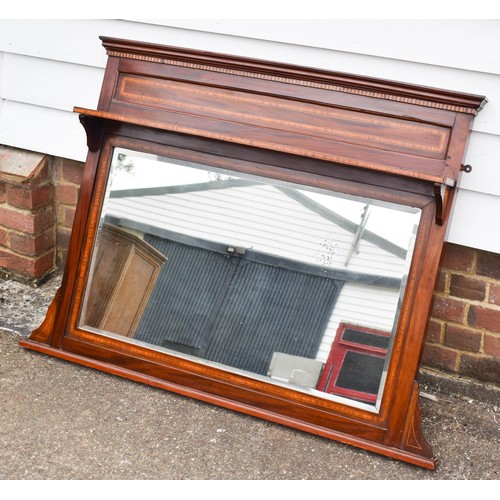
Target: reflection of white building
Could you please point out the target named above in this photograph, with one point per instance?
(288, 224)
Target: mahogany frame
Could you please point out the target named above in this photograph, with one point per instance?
(390, 141)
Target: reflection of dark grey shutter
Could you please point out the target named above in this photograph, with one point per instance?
(234, 311)
(271, 309)
(361, 372)
(188, 293)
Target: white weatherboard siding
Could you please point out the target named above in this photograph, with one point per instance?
(49, 66)
(262, 219)
(356, 36)
(274, 218)
(360, 305)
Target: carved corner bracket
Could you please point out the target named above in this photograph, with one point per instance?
(43, 332)
(413, 438)
(92, 127)
(443, 195)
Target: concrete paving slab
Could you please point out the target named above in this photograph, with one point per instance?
(59, 420)
(17, 164)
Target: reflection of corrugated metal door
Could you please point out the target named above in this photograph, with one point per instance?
(188, 294)
(270, 309)
(233, 310)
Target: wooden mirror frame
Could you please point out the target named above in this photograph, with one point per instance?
(389, 141)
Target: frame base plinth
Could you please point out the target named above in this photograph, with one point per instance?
(416, 451)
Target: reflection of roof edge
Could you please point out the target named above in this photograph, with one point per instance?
(258, 256)
(344, 223)
(183, 188)
(307, 202)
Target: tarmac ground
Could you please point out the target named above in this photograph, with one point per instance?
(62, 421)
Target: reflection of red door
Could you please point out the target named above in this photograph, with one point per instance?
(355, 363)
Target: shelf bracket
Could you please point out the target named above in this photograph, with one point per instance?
(443, 197)
(438, 195)
(93, 131)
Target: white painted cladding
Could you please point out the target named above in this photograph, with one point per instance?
(49, 66)
(360, 305)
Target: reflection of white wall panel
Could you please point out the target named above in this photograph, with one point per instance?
(357, 37)
(261, 218)
(373, 260)
(360, 305)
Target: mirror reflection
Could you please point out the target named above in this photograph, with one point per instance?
(296, 285)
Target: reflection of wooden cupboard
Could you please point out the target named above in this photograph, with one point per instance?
(123, 276)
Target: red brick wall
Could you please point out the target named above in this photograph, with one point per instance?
(36, 217)
(27, 224)
(67, 179)
(464, 332)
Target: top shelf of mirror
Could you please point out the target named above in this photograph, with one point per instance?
(374, 124)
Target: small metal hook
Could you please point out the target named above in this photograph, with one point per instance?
(466, 168)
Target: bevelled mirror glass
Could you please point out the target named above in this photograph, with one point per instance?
(286, 283)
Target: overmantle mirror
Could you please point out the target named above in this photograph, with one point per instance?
(263, 237)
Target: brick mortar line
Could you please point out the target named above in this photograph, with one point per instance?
(460, 354)
(470, 327)
(447, 281)
(60, 216)
(22, 233)
(479, 277)
(468, 302)
(442, 332)
(59, 204)
(30, 257)
(481, 330)
(456, 364)
(27, 211)
(65, 182)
